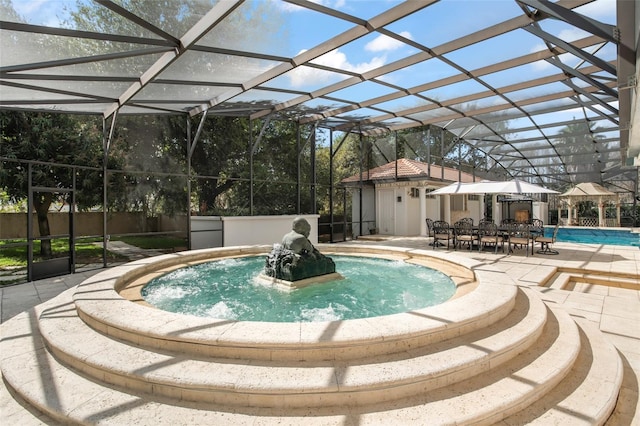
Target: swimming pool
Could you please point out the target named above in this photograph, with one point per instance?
(616, 237)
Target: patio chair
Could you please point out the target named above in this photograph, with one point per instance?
(537, 228)
(429, 227)
(520, 236)
(467, 220)
(546, 242)
(464, 234)
(507, 222)
(430, 231)
(488, 234)
(441, 232)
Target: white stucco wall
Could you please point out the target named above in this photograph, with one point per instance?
(433, 208)
(249, 230)
(476, 209)
(541, 211)
(397, 212)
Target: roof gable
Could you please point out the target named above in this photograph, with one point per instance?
(406, 169)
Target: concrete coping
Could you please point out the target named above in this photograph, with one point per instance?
(481, 299)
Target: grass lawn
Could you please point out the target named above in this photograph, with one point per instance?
(155, 242)
(13, 253)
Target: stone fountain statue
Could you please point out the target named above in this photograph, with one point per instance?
(296, 258)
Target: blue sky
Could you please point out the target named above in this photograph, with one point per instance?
(43, 12)
(431, 27)
(454, 18)
(450, 23)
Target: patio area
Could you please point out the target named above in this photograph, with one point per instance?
(595, 283)
(169, 119)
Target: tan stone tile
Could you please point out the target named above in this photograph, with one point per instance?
(587, 299)
(624, 293)
(622, 307)
(555, 296)
(588, 288)
(625, 327)
(629, 346)
(590, 316)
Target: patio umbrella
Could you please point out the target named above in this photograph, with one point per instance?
(519, 187)
(493, 187)
(456, 188)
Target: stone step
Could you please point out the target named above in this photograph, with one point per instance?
(608, 280)
(294, 383)
(547, 275)
(566, 280)
(588, 395)
(100, 306)
(61, 393)
(500, 392)
(559, 281)
(596, 274)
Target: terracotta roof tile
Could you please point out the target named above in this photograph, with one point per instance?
(409, 169)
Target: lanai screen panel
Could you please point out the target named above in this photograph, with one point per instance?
(517, 80)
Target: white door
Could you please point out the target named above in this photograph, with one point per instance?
(387, 210)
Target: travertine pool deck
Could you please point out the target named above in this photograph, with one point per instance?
(614, 306)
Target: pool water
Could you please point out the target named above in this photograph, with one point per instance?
(227, 289)
(616, 237)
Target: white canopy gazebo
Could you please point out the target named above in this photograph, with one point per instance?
(494, 188)
(589, 191)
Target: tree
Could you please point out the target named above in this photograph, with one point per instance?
(153, 151)
(221, 158)
(51, 142)
(577, 144)
(220, 155)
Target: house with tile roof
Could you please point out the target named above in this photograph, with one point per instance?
(393, 199)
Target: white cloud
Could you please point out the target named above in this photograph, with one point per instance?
(599, 9)
(567, 35)
(338, 59)
(540, 65)
(384, 43)
(289, 7)
(29, 7)
(38, 12)
(572, 34)
(304, 76)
